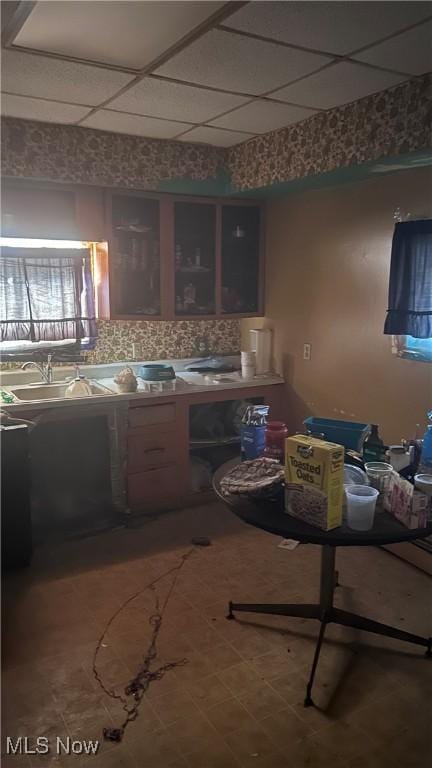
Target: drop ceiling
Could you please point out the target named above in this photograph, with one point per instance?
(210, 72)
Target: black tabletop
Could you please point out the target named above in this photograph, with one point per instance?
(270, 516)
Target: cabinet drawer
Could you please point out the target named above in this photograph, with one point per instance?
(152, 414)
(150, 451)
(155, 488)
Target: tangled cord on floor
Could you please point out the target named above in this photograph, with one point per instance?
(139, 684)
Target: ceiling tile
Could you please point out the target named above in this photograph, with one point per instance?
(338, 84)
(262, 116)
(129, 34)
(235, 63)
(47, 78)
(175, 101)
(409, 52)
(120, 122)
(334, 27)
(35, 109)
(215, 136)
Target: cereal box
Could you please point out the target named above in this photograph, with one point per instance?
(314, 472)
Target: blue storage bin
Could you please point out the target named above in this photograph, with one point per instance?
(350, 434)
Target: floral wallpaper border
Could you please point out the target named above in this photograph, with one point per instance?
(70, 154)
(392, 122)
(388, 123)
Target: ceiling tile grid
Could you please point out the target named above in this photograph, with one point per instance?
(262, 116)
(126, 34)
(43, 77)
(175, 101)
(232, 62)
(215, 136)
(337, 85)
(135, 125)
(409, 51)
(335, 27)
(40, 109)
(201, 72)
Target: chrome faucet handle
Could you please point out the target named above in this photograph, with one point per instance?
(48, 369)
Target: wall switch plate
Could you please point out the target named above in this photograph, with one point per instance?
(307, 351)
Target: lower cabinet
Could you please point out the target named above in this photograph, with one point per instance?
(159, 445)
(156, 457)
(154, 489)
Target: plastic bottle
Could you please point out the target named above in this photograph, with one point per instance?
(373, 447)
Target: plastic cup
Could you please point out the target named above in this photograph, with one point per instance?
(379, 474)
(423, 483)
(361, 503)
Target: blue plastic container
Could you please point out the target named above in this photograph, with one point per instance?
(350, 434)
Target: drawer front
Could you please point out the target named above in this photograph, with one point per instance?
(151, 451)
(146, 415)
(155, 488)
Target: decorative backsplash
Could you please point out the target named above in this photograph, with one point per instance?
(393, 122)
(159, 340)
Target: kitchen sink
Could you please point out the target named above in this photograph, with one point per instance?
(52, 391)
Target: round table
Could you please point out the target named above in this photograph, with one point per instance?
(270, 516)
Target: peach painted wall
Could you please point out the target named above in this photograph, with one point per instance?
(328, 259)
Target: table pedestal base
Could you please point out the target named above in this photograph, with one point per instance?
(326, 613)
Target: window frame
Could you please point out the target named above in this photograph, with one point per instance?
(62, 349)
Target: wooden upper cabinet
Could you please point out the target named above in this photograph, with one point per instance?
(168, 257)
(241, 271)
(194, 258)
(51, 211)
(134, 248)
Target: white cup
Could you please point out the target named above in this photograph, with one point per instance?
(361, 503)
(248, 364)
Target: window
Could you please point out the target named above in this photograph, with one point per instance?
(46, 296)
(412, 349)
(409, 315)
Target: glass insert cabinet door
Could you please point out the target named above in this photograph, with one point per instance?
(194, 258)
(240, 258)
(136, 256)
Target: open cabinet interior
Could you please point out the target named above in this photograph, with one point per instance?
(214, 438)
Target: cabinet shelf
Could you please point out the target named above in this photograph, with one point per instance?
(218, 441)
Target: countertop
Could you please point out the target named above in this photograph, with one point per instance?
(104, 374)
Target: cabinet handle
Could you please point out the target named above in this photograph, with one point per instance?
(154, 450)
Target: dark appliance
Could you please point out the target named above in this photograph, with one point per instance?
(16, 528)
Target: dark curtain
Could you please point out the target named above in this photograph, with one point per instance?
(46, 295)
(410, 290)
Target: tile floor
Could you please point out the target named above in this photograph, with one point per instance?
(238, 701)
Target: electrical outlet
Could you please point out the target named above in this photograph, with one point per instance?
(137, 350)
(307, 351)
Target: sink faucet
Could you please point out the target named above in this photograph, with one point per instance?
(45, 370)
